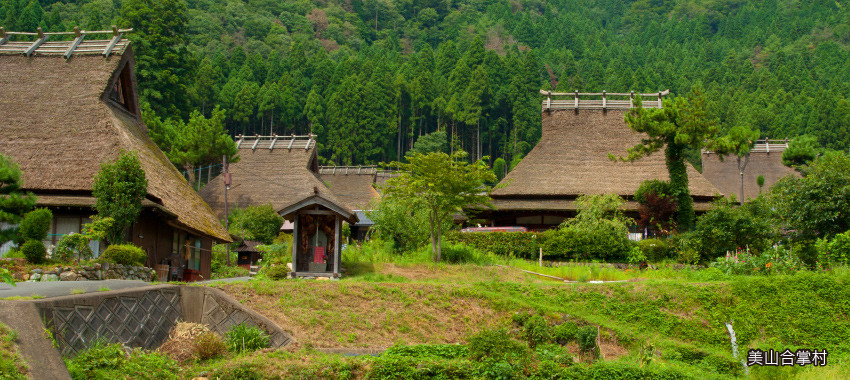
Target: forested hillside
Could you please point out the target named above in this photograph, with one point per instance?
(371, 76)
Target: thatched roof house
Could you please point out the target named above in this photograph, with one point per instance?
(765, 159)
(571, 159)
(355, 186)
(60, 119)
(283, 171)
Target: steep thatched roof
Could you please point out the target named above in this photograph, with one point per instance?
(355, 188)
(60, 120)
(571, 159)
(765, 159)
(282, 175)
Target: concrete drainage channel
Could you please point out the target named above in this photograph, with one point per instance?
(138, 317)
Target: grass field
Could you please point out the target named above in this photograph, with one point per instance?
(680, 313)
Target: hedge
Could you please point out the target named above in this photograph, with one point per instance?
(516, 244)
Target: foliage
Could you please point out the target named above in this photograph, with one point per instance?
(35, 225)
(564, 332)
(14, 204)
(586, 339)
(657, 205)
(445, 351)
(508, 244)
(218, 261)
(119, 188)
(835, 252)
(655, 249)
(72, 247)
(497, 346)
(537, 331)
(499, 168)
(275, 272)
(124, 254)
(683, 123)
(229, 272)
(245, 338)
(443, 185)
(261, 223)
(278, 253)
(209, 346)
(109, 361)
(34, 251)
(817, 205)
(801, 151)
(597, 232)
(779, 260)
(435, 142)
(463, 254)
(401, 222)
(12, 366)
(727, 227)
(636, 256)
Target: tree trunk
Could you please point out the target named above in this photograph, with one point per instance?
(434, 248)
(439, 241)
(677, 168)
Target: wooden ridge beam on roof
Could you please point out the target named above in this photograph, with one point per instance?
(116, 36)
(41, 38)
(3, 36)
(76, 42)
(256, 143)
(274, 140)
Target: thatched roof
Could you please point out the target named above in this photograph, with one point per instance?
(249, 246)
(571, 159)
(765, 159)
(355, 189)
(276, 175)
(59, 122)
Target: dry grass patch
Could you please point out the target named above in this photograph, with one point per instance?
(369, 315)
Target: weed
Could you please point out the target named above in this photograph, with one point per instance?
(209, 346)
(103, 289)
(242, 338)
(78, 291)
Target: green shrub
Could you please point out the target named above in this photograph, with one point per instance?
(462, 253)
(125, 254)
(607, 240)
(35, 225)
(781, 260)
(209, 346)
(508, 244)
(218, 261)
(655, 249)
(553, 353)
(520, 317)
(109, 361)
(72, 246)
(277, 253)
(34, 251)
(565, 332)
(496, 345)
(244, 338)
(728, 227)
(636, 255)
(276, 272)
(537, 331)
(241, 371)
(835, 252)
(445, 351)
(586, 339)
(228, 272)
(261, 223)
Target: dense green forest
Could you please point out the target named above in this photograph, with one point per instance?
(371, 76)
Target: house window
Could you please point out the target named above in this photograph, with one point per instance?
(195, 255)
(64, 225)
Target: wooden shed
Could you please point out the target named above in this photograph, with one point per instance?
(282, 171)
(571, 160)
(69, 106)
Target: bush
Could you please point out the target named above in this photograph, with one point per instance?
(241, 371)
(655, 249)
(836, 252)
(218, 261)
(586, 339)
(537, 331)
(34, 251)
(229, 272)
(244, 338)
(608, 240)
(728, 227)
(780, 260)
(565, 332)
(35, 225)
(508, 244)
(209, 346)
(125, 254)
(444, 351)
(275, 272)
(462, 253)
(636, 256)
(260, 223)
(277, 253)
(496, 345)
(109, 361)
(72, 246)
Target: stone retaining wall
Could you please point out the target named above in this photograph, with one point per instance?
(95, 272)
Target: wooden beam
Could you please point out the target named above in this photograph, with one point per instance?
(318, 212)
(116, 37)
(41, 38)
(274, 140)
(337, 245)
(308, 142)
(3, 36)
(256, 142)
(295, 245)
(291, 142)
(76, 42)
(238, 143)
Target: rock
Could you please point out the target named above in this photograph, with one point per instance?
(50, 277)
(97, 266)
(36, 271)
(53, 272)
(88, 268)
(98, 274)
(68, 276)
(35, 277)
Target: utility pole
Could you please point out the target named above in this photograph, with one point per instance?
(226, 187)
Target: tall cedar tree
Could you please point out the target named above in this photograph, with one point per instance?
(442, 184)
(681, 125)
(13, 202)
(119, 188)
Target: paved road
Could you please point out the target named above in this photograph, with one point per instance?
(64, 288)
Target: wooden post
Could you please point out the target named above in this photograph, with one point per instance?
(576, 100)
(540, 258)
(604, 100)
(337, 245)
(632, 99)
(660, 103)
(226, 187)
(295, 244)
(549, 101)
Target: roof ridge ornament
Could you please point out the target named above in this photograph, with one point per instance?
(66, 49)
